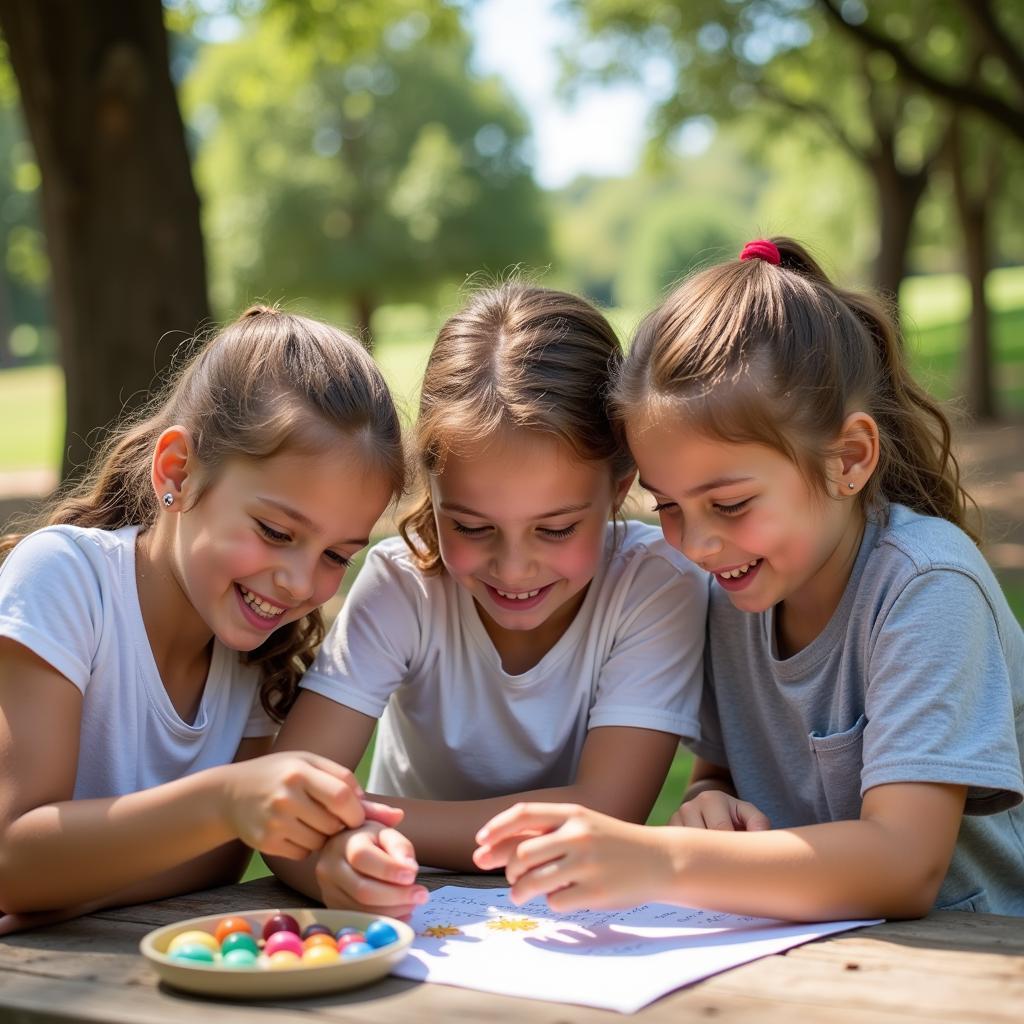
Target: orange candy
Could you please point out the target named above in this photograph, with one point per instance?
(317, 955)
(319, 939)
(229, 925)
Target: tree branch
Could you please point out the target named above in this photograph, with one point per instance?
(814, 110)
(960, 93)
(995, 37)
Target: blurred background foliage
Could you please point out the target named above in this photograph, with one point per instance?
(351, 161)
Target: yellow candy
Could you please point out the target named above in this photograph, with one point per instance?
(194, 937)
(320, 954)
(283, 959)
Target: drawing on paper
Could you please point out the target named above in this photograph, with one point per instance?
(440, 931)
(512, 924)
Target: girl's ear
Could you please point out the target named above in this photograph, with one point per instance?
(858, 450)
(621, 490)
(173, 460)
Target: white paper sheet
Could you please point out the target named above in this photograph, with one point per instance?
(616, 960)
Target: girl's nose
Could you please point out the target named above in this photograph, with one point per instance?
(296, 578)
(512, 563)
(699, 544)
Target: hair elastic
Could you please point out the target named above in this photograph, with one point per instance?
(761, 249)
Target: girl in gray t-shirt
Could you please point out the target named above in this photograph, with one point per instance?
(863, 712)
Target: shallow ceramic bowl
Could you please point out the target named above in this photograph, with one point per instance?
(287, 982)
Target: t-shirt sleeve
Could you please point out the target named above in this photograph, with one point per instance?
(651, 678)
(368, 651)
(51, 602)
(939, 704)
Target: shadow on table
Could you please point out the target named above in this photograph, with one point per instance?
(960, 932)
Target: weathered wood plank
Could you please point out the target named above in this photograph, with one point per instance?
(945, 968)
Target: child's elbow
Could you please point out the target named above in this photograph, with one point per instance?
(917, 891)
(9, 887)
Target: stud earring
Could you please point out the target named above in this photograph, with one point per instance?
(169, 498)
(850, 485)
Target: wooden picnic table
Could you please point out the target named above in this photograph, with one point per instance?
(947, 967)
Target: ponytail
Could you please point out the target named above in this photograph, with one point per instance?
(817, 351)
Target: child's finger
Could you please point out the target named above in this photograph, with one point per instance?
(399, 847)
(282, 846)
(752, 819)
(542, 881)
(537, 818)
(687, 816)
(339, 771)
(375, 862)
(337, 796)
(532, 854)
(492, 857)
(384, 813)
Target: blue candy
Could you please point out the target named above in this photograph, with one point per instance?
(380, 933)
(356, 949)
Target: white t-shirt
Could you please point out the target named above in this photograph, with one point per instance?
(456, 726)
(69, 595)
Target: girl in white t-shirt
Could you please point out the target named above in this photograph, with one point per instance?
(518, 642)
(217, 522)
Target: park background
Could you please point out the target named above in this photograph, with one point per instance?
(163, 166)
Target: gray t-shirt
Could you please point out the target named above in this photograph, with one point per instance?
(918, 677)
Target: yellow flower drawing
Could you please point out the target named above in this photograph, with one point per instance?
(512, 924)
(441, 931)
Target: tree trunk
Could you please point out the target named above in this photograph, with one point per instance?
(119, 208)
(899, 193)
(364, 306)
(972, 211)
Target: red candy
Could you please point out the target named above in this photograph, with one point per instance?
(280, 923)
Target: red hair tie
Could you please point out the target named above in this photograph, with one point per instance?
(761, 249)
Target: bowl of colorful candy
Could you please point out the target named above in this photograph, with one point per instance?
(276, 953)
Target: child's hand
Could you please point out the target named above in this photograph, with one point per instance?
(373, 869)
(715, 809)
(289, 804)
(576, 857)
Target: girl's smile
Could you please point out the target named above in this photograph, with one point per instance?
(266, 543)
(748, 515)
(258, 610)
(737, 577)
(521, 524)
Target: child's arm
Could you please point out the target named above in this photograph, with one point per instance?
(221, 866)
(889, 863)
(388, 885)
(620, 773)
(376, 868)
(57, 853)
(710, 801)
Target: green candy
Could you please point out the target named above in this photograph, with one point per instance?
(239, 940)
(240, 957)
(193, 952)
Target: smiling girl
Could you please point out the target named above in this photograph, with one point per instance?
(862, 725)
(153, 632)
(519, 642)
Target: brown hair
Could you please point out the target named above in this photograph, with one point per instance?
(517, 356)
(757, 353)
(269, 382)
